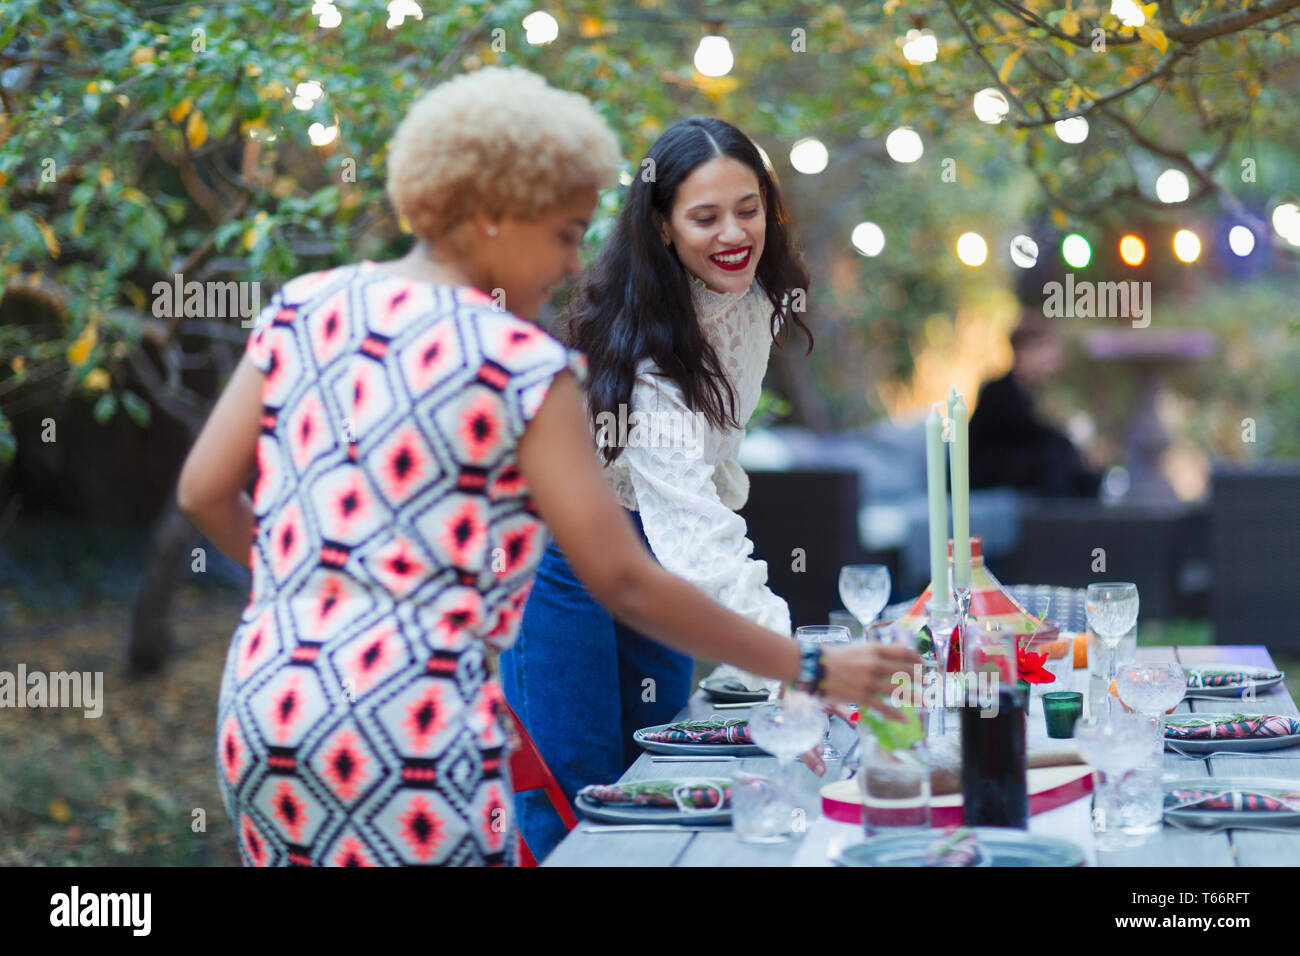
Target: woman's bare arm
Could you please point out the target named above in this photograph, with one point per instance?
(221, 463)
(558, 459)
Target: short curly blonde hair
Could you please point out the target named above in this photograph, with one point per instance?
(500, 141)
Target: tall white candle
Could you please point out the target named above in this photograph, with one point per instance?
(936, 488)
(960, 461)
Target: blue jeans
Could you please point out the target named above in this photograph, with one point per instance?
(581, 683)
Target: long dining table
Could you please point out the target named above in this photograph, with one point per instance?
(599, 844)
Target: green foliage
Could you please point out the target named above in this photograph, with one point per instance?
(139, 141)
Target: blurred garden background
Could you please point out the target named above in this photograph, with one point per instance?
(943, 160)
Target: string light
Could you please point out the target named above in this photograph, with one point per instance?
(990, 106)
(540, 28)
(1132, 250)
(1076, 251)
(399, 10)
(1241, 241)
(1286, 222)
(713, 56)
(1172, 186)
(322, 135)
(1187, 245)
(1024, 251)
(904, 145)
(1128, 12)
(809, 156)
(972, 249)
(1073, 129)
(919, 46)
(868, 238)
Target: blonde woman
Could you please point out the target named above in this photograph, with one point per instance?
(409, 438)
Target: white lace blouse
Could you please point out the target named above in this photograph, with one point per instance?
(684, 479)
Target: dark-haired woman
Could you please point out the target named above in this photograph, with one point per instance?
(676, 317)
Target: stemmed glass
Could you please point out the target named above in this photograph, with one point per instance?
(828, 635)
(1112, 611)
(864, 589)
(787, 728)
(942, 620)
(1151, 689)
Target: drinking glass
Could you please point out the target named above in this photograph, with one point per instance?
(1112, 610)
(864, 589)
(1151, 689)
(895, 785)
(1126, 800)
(762, 803)
(788, 727)
(827, 635)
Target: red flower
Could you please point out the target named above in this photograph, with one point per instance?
(1030, 667)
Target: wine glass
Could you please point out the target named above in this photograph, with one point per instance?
(787, 728)
(864, 589)
(827, 635)
(1151, 689)
(1112, 611)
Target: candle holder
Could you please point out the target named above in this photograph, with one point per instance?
(963, 619)
(941, 621)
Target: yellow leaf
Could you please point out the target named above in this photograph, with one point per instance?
(3, 177)
(51, 243)
(716, 87)
(142, 54)
(1070, 23)
(105, 176)
(1153, 35)
(591, 26)
(131, 194)
(135, 294)
(250, 239)
(180, 110)
(79, 350)
(1149, 9)
(18, 363)
(1075, 95)
(98, 380)
(1007, 64)
(196, 130)
(252, 69)
(1058, 219)
(92, 86)
(60, 810)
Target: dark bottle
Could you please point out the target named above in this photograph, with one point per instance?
(994, 771)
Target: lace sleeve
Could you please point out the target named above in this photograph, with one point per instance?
(692, 533)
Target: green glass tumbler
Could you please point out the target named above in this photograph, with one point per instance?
(1062, 710)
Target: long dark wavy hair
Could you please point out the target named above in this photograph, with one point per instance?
(635, 300)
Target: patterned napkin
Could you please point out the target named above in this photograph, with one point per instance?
(1224, 677)
(713, 731)
(698, 794)
(1230, 726)
(957, 847)
(1232, 799)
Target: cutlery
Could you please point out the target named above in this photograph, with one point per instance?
(664, 758)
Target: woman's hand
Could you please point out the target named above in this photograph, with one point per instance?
(867, 674)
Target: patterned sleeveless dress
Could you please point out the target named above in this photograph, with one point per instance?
(358, 723)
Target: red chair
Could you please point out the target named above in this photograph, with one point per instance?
(528, 771)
